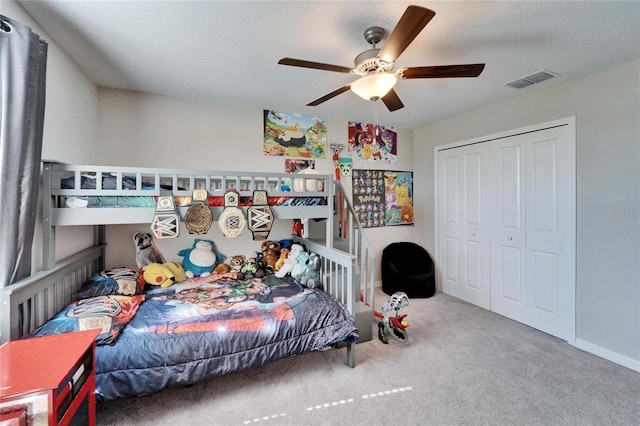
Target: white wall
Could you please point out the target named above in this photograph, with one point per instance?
(137, 129)
(607, 110)
(70, 122)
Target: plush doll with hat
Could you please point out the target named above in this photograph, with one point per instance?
(163, 274)
(200, 260)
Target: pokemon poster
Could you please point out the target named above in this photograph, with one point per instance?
(370, 142)
(368, 197)
(398, 198)
(383, 197)
(294, 135)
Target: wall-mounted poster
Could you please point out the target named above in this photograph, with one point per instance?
(383, 197)
(368, 142)
(294, 135)
(368, 197)
(346, 165)
(398, 198)
(294, 166)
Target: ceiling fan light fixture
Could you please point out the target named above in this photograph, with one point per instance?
(374, 86)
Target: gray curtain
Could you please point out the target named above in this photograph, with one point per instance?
(23, 58)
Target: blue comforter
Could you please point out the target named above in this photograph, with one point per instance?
(199, 330)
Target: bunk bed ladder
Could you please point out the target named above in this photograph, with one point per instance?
(350, 237)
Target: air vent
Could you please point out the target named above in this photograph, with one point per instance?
(534, 78)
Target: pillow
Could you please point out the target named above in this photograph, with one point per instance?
(108, 313)
(299, 184)
(122, 281)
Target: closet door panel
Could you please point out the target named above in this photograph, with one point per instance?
(449, 221)
(464, 227)
(548, 221)
(508, 235)
(476, 227)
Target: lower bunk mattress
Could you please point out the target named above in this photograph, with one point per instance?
(207, 327)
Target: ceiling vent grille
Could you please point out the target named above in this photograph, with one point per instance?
(534, 78)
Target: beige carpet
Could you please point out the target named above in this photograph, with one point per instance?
(462, 366)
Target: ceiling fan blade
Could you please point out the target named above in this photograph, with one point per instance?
(414, 19)
(442, 71)
(329, 96)
(313, 65)
(392, 101)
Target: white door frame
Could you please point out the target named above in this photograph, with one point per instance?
(568, 121)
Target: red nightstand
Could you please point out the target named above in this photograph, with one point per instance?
(48, 380)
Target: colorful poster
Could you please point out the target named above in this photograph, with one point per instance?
(398, 198)
(368, 142)
(294, 166)
(294, 135)
(368, 197)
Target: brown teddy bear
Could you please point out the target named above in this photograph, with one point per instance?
(270, 254)
(236, 262)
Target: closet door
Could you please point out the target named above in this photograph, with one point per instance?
(464, 223)
(531, 275)
(508, 281)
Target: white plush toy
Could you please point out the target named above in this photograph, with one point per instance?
(291, 260)
(301, 265)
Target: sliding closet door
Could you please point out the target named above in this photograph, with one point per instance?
(531, 254)
(464, 227)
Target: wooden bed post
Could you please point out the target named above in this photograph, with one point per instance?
(48, 231)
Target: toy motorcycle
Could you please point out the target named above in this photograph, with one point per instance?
(396, 324)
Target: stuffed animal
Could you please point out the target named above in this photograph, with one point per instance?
(146, 251)
(236, 262)
(301, 265)
(311, 276)
(283, 256)
(251, 269)
(221, 268)
(199, 260)
(163, 274)
(270, 250)
(291, 260)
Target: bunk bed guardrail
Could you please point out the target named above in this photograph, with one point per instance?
(30, 302)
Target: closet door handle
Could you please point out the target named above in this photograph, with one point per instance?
(473, 234)
(509, 238)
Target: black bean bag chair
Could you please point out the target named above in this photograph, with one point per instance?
(407, 267)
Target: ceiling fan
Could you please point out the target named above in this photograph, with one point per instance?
(375, 66)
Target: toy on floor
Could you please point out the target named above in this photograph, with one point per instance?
(396, 324)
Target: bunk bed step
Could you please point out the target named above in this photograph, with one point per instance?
(364, 322)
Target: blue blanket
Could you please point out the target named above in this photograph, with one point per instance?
(202, 329)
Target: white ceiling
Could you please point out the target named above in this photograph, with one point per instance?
(227, 51)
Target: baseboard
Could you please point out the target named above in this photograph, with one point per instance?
(608, 354)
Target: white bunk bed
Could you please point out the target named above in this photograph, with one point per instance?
(28, 304)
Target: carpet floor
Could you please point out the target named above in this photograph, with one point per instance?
(462, 365)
